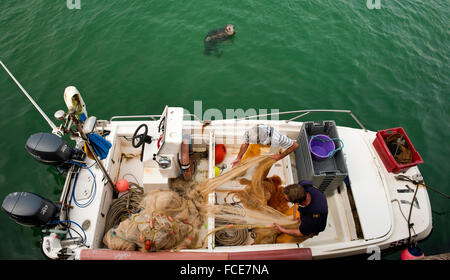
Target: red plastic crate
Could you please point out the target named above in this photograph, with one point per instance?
(386, 156)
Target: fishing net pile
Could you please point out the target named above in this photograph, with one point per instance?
(165, 221)
(256, 214)
(175, 219)
(254, 196)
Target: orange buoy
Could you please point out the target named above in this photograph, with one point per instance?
(122, 185)
(220, 152)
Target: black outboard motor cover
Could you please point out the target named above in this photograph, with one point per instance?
(29, 209)
(49, 149)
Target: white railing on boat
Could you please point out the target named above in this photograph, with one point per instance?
(301, 113)
(153, 117)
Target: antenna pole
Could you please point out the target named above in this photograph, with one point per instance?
(52, 125)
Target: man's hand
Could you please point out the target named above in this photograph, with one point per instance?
(241, 153)
(276, 157)
(235, 162)
(278, 227)
(293, 232)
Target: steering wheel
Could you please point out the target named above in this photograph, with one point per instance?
(141, 138)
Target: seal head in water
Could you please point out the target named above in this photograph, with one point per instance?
(221, 33)
(216, 36)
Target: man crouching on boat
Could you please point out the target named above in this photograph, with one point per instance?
(267, 136)
(313, 209)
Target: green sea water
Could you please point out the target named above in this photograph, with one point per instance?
(390, 66)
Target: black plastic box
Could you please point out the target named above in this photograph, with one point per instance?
(328, 173)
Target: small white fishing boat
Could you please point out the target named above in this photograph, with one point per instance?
(370, 208)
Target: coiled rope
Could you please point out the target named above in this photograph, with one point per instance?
(124, 206)
(232, 237)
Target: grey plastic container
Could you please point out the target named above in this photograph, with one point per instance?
(325, 174)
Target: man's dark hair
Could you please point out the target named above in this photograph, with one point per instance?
(296, 193)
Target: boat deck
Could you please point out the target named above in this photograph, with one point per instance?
(340, 225)
(359, 214)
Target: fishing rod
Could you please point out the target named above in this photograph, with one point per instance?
(52, 125)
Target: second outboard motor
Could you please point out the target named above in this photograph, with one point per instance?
(30, 209)
(50, 149)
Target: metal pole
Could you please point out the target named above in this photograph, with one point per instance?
(360, 124)
(52, 125)
(297, 117)
(99, 163)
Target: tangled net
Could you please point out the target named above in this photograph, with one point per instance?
(165, 221)
(258, 216)
(253, 197)
(174, 219)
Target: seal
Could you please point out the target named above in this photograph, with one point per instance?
(216, 36)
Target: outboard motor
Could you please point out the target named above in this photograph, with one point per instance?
(30, 209)
(50, 149)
